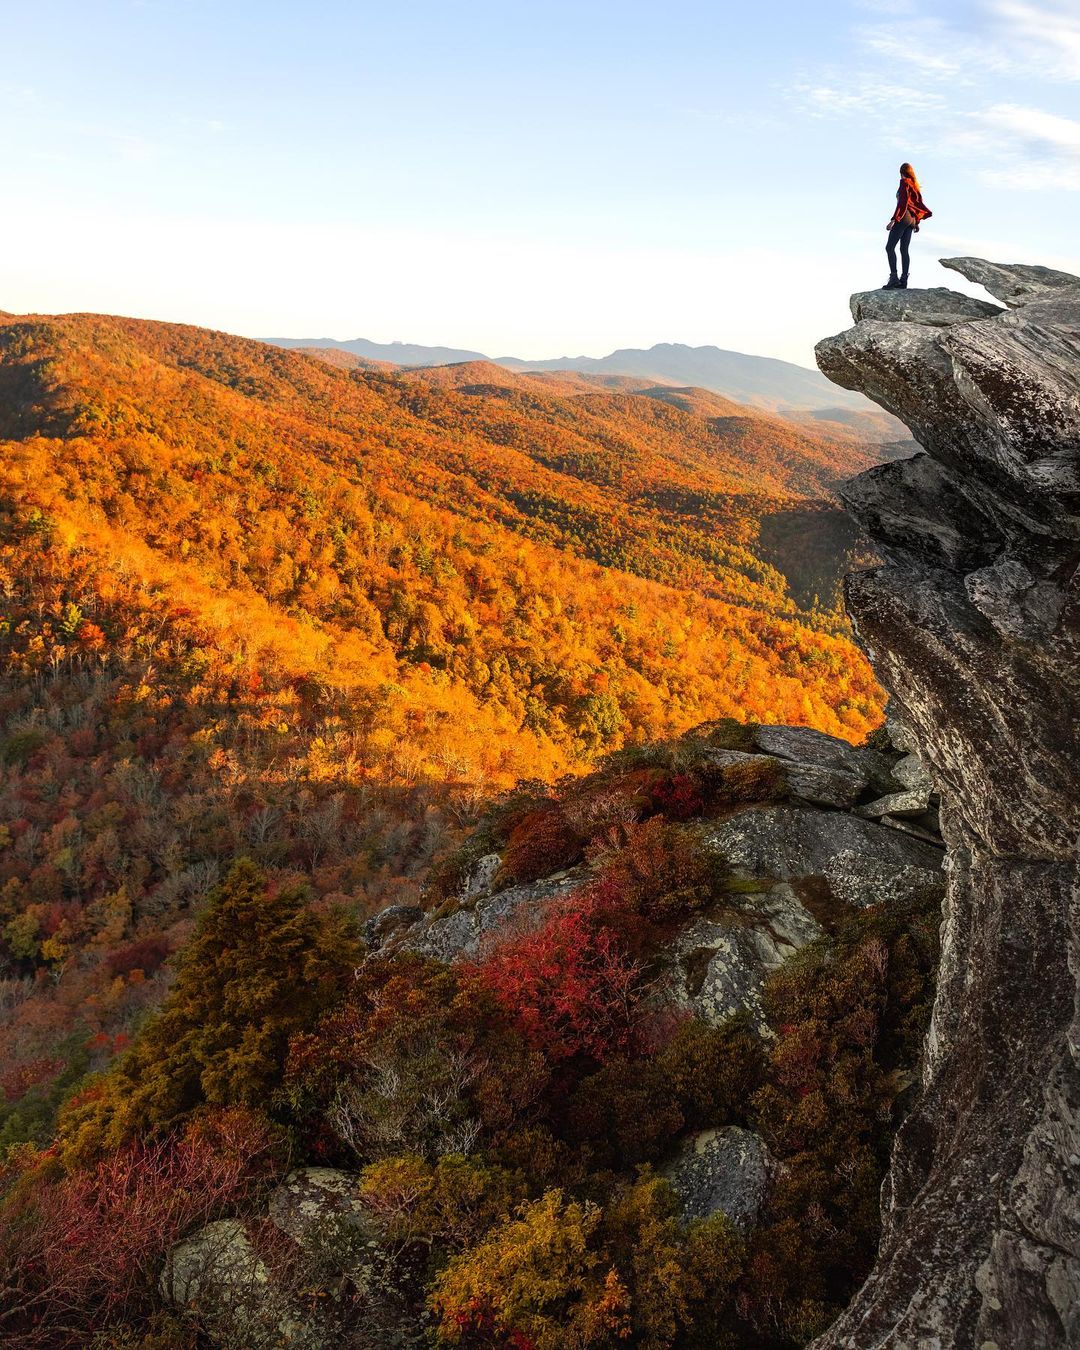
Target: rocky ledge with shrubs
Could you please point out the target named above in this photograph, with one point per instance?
(804, 827)
(715, 860)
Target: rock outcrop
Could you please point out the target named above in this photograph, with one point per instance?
(810, 847)
(972, 627)
(831, 838)
(822, 844)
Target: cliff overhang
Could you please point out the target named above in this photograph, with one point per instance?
(972, 626)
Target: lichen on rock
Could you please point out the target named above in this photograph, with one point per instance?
(721, 1171)
(246, 1284)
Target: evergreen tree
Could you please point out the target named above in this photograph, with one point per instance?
(261, 965)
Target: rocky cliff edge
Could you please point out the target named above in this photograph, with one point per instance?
(971, 624)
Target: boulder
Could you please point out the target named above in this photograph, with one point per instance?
(910, 772)
(450, 936)
(839, 788)
(394, 919)
(480, 877)
(718, 964)
(804, 745)
(823, 784)
(723, 1171)
(217, 1258)
(899, 736)
(314, 1204)
(244, 1294)
(923, 827)
(221, 1282)
(910, 802)
(861, 862)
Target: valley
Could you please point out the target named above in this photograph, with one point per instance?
(254, 603)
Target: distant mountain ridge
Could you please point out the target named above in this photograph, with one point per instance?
(397, 353)
(759, 381)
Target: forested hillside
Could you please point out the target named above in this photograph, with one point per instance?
(252, 604)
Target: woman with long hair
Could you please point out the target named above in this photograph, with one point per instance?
(910, 212)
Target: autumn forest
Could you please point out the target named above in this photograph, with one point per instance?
(260, 604)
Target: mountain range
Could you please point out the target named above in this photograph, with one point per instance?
(757, 381)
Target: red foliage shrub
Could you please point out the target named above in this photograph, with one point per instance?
(678, 796)
(540, 843)
(657, 877)
(82, 1252)
(568, 985)
(475, 1327)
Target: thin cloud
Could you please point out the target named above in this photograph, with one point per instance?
(1035, 127)
(1036, 149)
(935, 49)
(867, 96)
(1049, 34)
(1015, 38)
(1023, 148)
(943, 90)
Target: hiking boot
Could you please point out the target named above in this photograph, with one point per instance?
(891, 285)
(902, 283)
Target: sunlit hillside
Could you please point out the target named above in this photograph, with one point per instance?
(252, 603)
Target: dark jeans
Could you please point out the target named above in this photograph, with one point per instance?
(901, 234)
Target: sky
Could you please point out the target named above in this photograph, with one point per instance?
(529, 180)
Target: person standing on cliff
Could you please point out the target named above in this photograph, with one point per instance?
(910, 211)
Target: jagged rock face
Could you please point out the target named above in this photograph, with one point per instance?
(972, 627)
(995, 401)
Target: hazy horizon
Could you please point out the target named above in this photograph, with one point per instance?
(517, 356)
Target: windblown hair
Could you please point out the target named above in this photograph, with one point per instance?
(906, 171)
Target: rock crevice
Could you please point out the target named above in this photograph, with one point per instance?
(971, 624)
